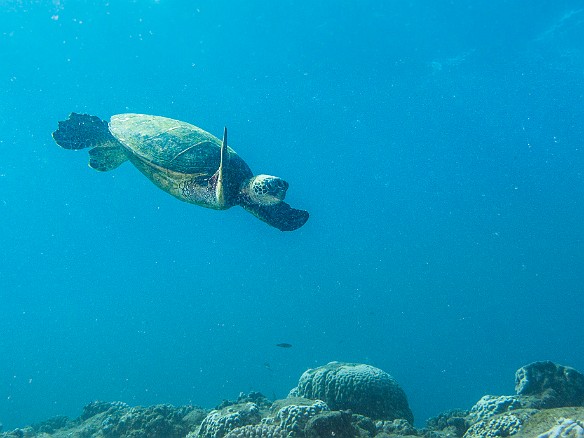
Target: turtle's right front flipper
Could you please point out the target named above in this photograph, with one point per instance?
(81, 131)
(280, 216)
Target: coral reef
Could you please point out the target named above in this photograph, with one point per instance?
(117, 419)
(567, 428)
(342, 400)
(550, 384)
(505, 424)
(546, 421)
(361, 388)
(97, 407)
(396, 427)
(450, 423)
(51, 425)
(331, 423)
(253, 397)
(220, 422)
(490, 405)
(293, 418)
(257, 431)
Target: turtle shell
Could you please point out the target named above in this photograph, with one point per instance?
(176, 146)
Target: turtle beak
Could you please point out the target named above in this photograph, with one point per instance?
(277, 188)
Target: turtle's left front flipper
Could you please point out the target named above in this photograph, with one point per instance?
(280, 216)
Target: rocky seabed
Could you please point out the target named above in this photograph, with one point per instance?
(343, 400)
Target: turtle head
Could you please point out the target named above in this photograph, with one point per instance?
(265, 189)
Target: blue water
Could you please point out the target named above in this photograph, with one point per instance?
(437, 145)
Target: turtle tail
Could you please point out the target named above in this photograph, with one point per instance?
(82, 131)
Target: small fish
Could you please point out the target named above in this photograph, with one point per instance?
(284, 345)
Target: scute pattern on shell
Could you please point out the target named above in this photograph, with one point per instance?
(159, 145)
(168, 143)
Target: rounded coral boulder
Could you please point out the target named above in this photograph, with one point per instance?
(363, 389)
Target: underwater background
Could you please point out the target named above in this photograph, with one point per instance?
(438, 147)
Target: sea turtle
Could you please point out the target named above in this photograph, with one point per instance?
(183, 160)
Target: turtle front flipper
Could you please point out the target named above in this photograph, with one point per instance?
(81, 131)
(280, 216)
(224, 154)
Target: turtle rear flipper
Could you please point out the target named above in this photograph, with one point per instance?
(280, 216)
(107, 156)
(81, 131)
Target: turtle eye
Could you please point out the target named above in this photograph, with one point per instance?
(277, 184)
